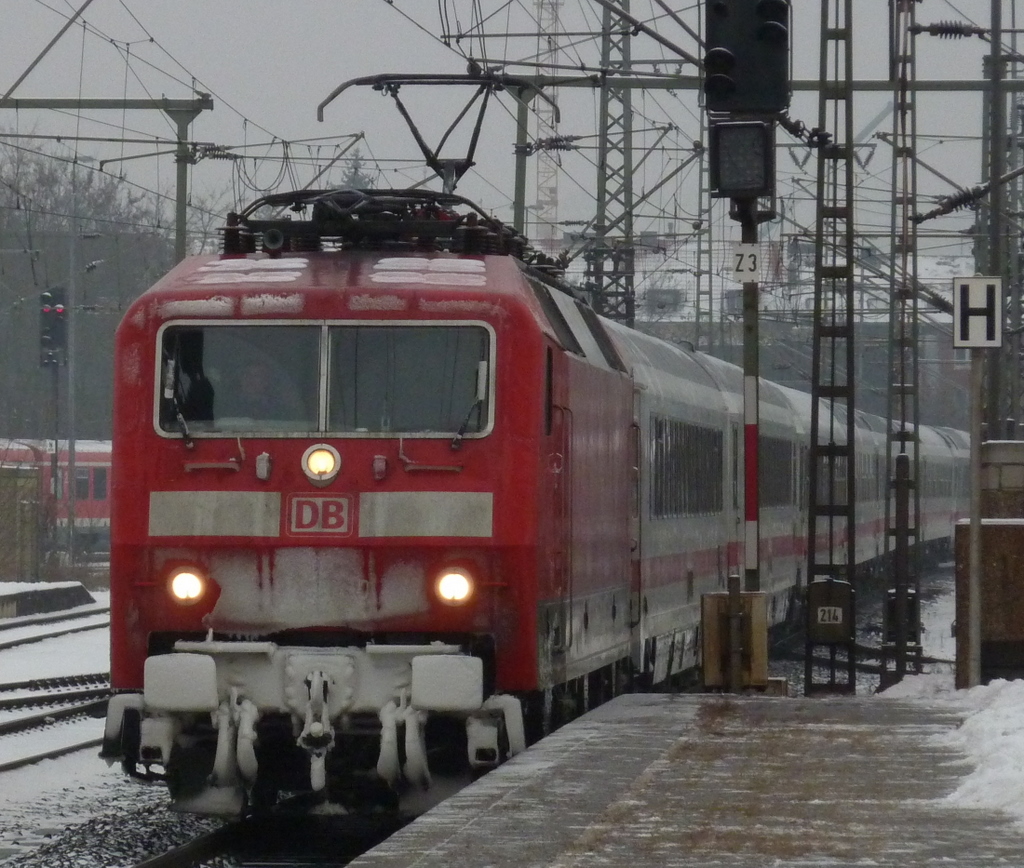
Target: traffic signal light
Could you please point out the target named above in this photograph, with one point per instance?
(747, 62)
(53, 332)
(742, 159)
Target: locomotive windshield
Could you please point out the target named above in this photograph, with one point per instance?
(369, 379)
(240, 378)
(406, 379)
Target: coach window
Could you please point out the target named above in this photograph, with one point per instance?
(81, 483)
(99, 483)
(686, 466)
(409, 379)
(234, 379)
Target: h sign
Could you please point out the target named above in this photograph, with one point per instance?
(977, 312)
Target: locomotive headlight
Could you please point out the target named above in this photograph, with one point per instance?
(321, 463)
(454, 587)
(187, 586)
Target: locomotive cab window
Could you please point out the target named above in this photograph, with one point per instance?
(408, 379)
(279, 379)
(232, 379)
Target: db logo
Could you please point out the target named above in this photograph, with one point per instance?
(321, 513)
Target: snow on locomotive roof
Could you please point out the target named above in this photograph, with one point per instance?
(365, 270)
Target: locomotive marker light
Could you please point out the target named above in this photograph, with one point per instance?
(321, 463)
(187, 586)
(454, 587)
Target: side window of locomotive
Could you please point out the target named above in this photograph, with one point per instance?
(408, 379)
(232, 379)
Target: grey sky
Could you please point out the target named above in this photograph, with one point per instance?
(269, 63)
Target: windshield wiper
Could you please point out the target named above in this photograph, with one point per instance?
(464, 427)
(171, 394)
(189, 442)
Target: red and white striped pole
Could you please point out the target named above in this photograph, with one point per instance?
(745, 210)
(752, 536)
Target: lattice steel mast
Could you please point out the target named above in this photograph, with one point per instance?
(832, 463)
(609, 272)
(546, 213)
(902, 453)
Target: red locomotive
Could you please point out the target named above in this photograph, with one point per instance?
(387, 496)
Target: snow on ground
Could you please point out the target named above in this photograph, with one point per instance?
(82, 653)
(992, 735)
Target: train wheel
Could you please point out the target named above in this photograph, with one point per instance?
(535, 721)
(263, 797)
(446, 744)
(189, 768)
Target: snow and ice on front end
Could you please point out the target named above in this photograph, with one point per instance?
(206, 707)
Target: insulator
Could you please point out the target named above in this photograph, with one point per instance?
(960, 200)
(232, 242)
(470, 239)
(949, 29)
(238, 241)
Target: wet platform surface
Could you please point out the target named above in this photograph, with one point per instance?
(662, 780)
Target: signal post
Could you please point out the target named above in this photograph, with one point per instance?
(746, 87)
(53, 334)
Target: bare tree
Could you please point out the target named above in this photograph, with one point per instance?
(59, 215)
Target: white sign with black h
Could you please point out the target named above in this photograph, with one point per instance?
(977, 312)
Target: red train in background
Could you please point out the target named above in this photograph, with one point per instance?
(51, 503)
(389, 498)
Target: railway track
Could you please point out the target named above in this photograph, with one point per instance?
(51, 618)
(19, 641)
(50, 704)
(200, 849)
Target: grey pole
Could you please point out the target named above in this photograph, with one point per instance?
(71, 320)
(974, 564)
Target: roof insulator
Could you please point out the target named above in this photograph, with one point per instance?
(948, 29)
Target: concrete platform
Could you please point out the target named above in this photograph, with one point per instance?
(18, 599)
(655, 780)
